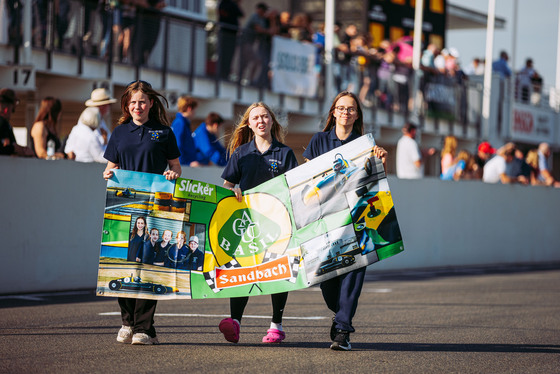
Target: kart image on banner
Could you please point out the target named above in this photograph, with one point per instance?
(329, 216)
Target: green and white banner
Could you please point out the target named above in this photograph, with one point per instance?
(329, 216)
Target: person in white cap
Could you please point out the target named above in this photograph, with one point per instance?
(83, 144)
(101, 99)
(196, 257)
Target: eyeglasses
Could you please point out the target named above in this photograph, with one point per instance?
(139, 81)
(349, 110)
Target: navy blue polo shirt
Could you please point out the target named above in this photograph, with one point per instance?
(248, 167)
(144, 148)
(323, 142)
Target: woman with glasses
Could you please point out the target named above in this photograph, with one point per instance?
(144, 142)
(344, 124)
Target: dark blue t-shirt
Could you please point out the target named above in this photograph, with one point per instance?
(323, 142)
(248, 167)
(145, 148)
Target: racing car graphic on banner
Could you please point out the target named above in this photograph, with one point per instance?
(135, 284)
(343, 177)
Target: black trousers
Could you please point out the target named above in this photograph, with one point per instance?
(138, 314)
(237, 306)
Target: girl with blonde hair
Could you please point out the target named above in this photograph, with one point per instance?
(256, 155)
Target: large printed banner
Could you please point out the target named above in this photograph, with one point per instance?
(293, 67)
(324, 218)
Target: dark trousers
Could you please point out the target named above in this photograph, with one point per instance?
(138, 314)
(237, 306)
(341, 295)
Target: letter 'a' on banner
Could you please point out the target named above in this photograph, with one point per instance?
(322, 219)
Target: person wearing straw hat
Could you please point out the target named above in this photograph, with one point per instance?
(101, 98)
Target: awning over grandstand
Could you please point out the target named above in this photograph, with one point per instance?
(459, 17)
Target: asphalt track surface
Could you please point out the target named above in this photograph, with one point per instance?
(485, 320)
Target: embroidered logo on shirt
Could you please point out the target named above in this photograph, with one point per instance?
(274, 165)
(155, 134)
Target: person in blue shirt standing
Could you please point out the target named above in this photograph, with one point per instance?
(143, 141)
(341, 293)
(181, 127)
(256, 156)
(209, 150)
(501, 65)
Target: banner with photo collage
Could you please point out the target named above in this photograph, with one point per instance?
(329, 216)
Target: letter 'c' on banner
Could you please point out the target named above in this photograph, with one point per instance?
(247, 230)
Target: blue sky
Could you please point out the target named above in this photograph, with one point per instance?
(537, 34)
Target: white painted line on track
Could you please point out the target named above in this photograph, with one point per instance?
(216, 316)
(373, 290)
(42, 296)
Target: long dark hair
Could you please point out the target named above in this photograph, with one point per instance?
(157, 111)
(48, 112)
(358, 126)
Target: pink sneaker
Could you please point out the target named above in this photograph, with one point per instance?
(273, 336)
(230, 329)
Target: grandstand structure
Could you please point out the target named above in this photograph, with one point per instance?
(39, 58)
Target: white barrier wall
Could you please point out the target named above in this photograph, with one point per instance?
(52, 215)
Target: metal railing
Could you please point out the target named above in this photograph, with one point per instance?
(169, 43)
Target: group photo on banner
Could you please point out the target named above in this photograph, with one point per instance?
(182, 238)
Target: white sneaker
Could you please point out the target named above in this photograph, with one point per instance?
(125, 335)
(144, 339)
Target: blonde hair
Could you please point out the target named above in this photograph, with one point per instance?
(243, 134)
(532, 158)
(449, 145)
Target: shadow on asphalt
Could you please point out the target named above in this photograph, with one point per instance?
(80, 296)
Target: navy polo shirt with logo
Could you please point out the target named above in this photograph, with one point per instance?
(323, 142)
(145, 148)
(248, 167)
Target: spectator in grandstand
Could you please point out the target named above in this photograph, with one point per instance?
(284, 24)
(501, 65)
(265, 48)
(518, 170)
(483, 154)
(209, 150)
(249, 59)
(101, 99)
(385, 83)
(148, 25)
(344, 56)
(410, 158)
(44, 131)
(181, 127)
(495, 169)
(300, 29)
(403, 69)
(448, 153)
(476, 67)
(428, 57)
(229, 13)
(8, 144)
(82, 144)
(545, 175)
(461, 168)
(532, 160)
(525, 78)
